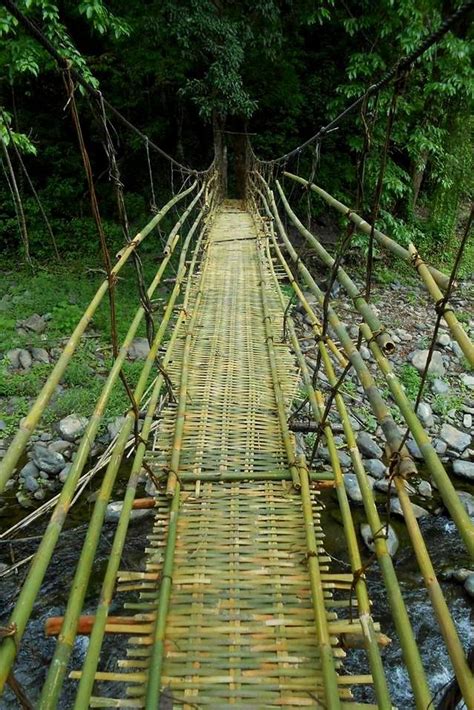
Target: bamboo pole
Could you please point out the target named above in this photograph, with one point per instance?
(394, 440)
(457, 331)
(101, 618)
(364, 308)
(443, 482)
(366, 620)
(29, 423)
(390, 244)
(43, 555)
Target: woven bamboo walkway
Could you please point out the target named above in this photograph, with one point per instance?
(240, 628)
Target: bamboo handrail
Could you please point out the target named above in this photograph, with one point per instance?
(364, 308)
(441, 279)
(29, 423)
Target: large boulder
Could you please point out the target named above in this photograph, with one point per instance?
(46, 460)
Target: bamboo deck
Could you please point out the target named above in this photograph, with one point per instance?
(239, 624)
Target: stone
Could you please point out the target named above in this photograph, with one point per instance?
(425, 415)
(419, 359)
(112, 514)
(25, 359)
(60, 446)
(47, 460)
(396, 508)
(368, 446)
(461, 574)
(31, 484)
(365, 353)
(439, 387)
(344, 459)
(467, 380)
(469, 585)
(375, 467)
(414, 449)
(3, 425)
(40, 355)
(12, 356)
(64, 473)
(138, 349)
(467, 421)
(454, 438)
(352, 486)
(425, 489)
(440, 446)
(29, 469)
(35, 323)
(72, 427)
(114, 427)
(467, 499)
(40, 494)
(355, 424)
(443, 339)
(391, 538)
(464, 469)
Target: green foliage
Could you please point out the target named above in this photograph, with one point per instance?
(411, 380)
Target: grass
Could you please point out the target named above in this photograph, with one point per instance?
(63, 293)
(411, 380)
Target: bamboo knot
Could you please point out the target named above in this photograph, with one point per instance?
(441, 307)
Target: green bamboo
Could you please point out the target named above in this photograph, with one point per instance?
(43, 555)
(279, 397)
(441, 478)
(441, 279)
(457, 331)
(97, 634)
(317, 407)
(331, 691)
(155, 668)
(260, 476)
(364, 308)
(29, 423)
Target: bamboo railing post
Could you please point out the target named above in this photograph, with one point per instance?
(29, 423)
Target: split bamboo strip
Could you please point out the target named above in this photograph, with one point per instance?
(57, 670)
(441, 279)
(457, 331)
(364, 308)
(29, 423)
(279, 398)
(93, 651)
(367, 624)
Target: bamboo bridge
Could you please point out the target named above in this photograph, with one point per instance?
(238, 604)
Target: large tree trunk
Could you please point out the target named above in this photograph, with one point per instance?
(220, 150)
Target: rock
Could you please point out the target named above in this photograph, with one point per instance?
(60, 446)
(443, 339)
(467, 380)
(65, 472)
(31, 484)
(355, 424)
(440, 446)
(365, 352)
(24, 499)
(3, 425)
(425, 415)
(12, 356)
(467, 499)
(40, 494)
(35, 323)
(375, 467)
(382, 484)
(47, 460)
(139, 349)
(454, 438)
(344, 459)
(469, 585)
(40, 355)
(396, 508)
(467, 421)
(420, 357)
(464, 469)
(25, 359)
(29, 469)
(352, 487)
(414, 449)
(461, 574)
(368, 446)
(392, 538)
(114, 427)
(114, 509)
(439, 387)
(424, 489)
(72, 427)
